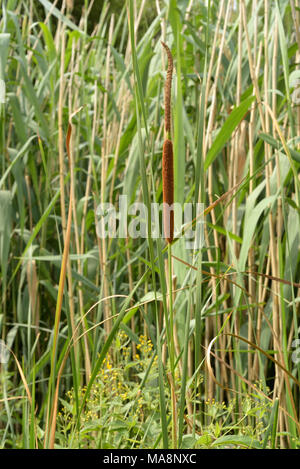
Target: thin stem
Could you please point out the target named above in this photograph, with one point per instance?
(172, 350)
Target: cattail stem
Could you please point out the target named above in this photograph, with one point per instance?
(171, 347)
(168, 220)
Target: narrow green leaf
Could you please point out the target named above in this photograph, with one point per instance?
(4, 47)
(238, 440)
(278, 146)
(227, 129)
(5, 232)
(55, 12)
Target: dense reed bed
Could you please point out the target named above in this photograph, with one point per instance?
(133, 342)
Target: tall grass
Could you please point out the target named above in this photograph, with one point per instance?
(222, 319)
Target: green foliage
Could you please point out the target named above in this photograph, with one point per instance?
(120, 412)
(236, 136)
(123, 413)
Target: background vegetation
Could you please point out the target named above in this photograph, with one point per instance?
(113, 343)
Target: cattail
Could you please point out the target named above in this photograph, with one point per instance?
(167, 160)
(168, 190)
(168, 86)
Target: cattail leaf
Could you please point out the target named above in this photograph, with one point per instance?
(271, 430)
(19, 119)
(132, 167)
(250, 226)
(5, 231)
(4, 47)
(284, 55)
(49, 41)
(292, 246)
(227, 129)
(36, 231)
(33, 99)
(16, 158)
(121, 67)
(278, 146)
(55, 12)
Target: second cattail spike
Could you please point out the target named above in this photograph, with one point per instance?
(168, 87)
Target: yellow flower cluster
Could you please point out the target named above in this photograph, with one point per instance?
(144, 346)
(212, 402)
(116, 386)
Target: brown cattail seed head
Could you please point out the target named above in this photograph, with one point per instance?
(168, 190)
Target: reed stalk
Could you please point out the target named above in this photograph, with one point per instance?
(168, 222)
